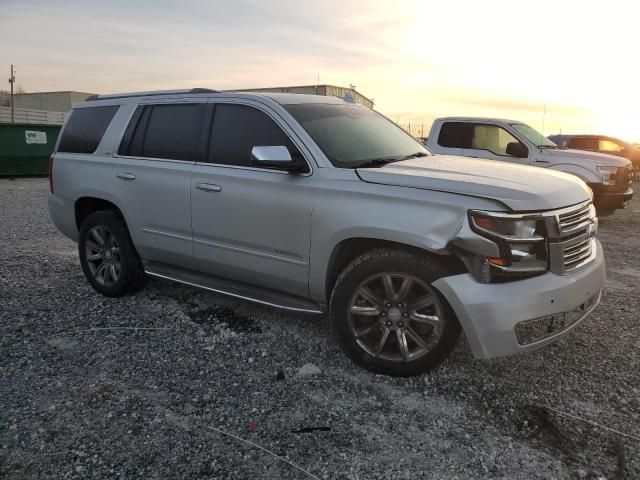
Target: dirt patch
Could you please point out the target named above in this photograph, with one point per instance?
(216, 316)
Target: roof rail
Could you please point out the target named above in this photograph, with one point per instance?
(148, 94)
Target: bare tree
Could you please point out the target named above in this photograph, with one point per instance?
(5, 96)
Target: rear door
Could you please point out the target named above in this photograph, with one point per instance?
(251, 224)
(152, 179)
(449, 139)
(583, 143)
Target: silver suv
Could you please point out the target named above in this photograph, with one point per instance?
(315, 204)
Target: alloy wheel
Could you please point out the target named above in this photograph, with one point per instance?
(396, 317)
(103, 256)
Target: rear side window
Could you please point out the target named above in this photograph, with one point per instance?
(85, 129)
(164, 131)
(456, 135)
(583, 143)
(238, 128)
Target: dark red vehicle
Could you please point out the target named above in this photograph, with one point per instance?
(600, 144)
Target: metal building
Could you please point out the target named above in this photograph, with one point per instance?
(50, 101)
(328, 90)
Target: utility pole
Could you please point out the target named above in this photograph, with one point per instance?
(12, 80)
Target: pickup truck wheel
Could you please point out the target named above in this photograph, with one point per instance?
(605, 212)
(108, 258)
(388, 318)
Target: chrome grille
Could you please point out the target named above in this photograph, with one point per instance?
(575, 221)
(577, 228)
(576, 254)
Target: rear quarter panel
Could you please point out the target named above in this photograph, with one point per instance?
(77, 175)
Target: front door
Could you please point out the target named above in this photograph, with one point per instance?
(492, 142)
(251, 224)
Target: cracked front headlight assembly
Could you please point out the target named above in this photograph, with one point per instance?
(521, 242)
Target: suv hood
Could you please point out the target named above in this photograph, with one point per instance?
(581, 157)
(519, 187)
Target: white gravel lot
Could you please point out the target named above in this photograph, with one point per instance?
(82, 395)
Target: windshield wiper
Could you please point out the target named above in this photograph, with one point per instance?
(547, 146)
(379, 162)
(375, 162)
(413, 155)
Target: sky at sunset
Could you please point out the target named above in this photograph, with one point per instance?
(417, 59)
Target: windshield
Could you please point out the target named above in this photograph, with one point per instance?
(351, 135)
(534, 136)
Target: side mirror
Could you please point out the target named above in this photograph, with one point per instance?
(277, 157)
(517, 149)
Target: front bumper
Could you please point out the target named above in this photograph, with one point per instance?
(611, 200)
(489, 313)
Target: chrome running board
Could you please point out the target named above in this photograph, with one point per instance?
(232, 288)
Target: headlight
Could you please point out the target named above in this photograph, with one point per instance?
(608, 175)
(506, 227)
(521, 241)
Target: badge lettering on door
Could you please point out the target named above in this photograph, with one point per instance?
(32, 136)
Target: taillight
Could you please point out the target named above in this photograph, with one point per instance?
(51, 174)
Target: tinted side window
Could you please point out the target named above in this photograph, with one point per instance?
(133, 138)
(238, 128)
(456, 135)
(583, 143)
(172, 131)
(85, 129)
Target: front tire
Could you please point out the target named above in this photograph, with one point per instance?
(108, 258)
(387, 317)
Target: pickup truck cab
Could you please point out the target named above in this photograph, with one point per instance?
(511, 141)
(318, 205)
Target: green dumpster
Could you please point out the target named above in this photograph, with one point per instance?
(25, 148)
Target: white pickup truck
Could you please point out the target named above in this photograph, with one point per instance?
(511, 141)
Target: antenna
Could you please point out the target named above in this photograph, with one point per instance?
(544, 114)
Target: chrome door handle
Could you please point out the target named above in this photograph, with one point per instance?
(126, 176)
(208, 187)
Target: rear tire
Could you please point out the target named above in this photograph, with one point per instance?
(386, 316)
(108, 258)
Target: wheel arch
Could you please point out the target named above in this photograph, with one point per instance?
(85, 206)
(583, 173)
(349, 248)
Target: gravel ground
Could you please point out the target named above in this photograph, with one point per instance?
(82, 395)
